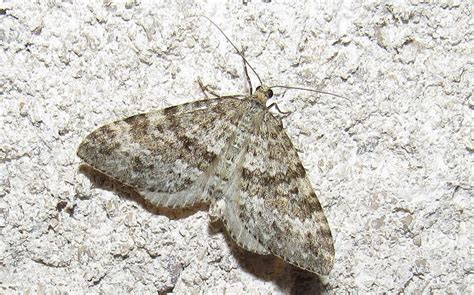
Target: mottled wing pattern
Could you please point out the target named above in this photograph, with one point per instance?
(277, 203)
(230, 153)
(168, 155)
(235, 226)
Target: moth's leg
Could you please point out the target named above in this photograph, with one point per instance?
(206, 89)
(278, 109)
(246, 70)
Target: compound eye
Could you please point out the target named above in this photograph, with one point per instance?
(269, 93)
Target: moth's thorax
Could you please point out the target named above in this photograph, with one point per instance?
(262, 94)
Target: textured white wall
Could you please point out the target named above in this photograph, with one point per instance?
(393, 167)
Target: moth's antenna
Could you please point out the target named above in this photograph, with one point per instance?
(255, 72)
(235, 47)
(309, 89)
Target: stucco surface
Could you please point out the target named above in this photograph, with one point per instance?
(392, 164)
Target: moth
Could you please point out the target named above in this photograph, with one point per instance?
(231, 153)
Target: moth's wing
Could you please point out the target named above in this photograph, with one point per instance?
(239, 232)
(277, 203)
(168, 155)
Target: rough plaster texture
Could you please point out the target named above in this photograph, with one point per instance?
(393, 166)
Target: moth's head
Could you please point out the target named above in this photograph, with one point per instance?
(263, 94)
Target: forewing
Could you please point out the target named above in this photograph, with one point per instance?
(277, 203)
(167, 155)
